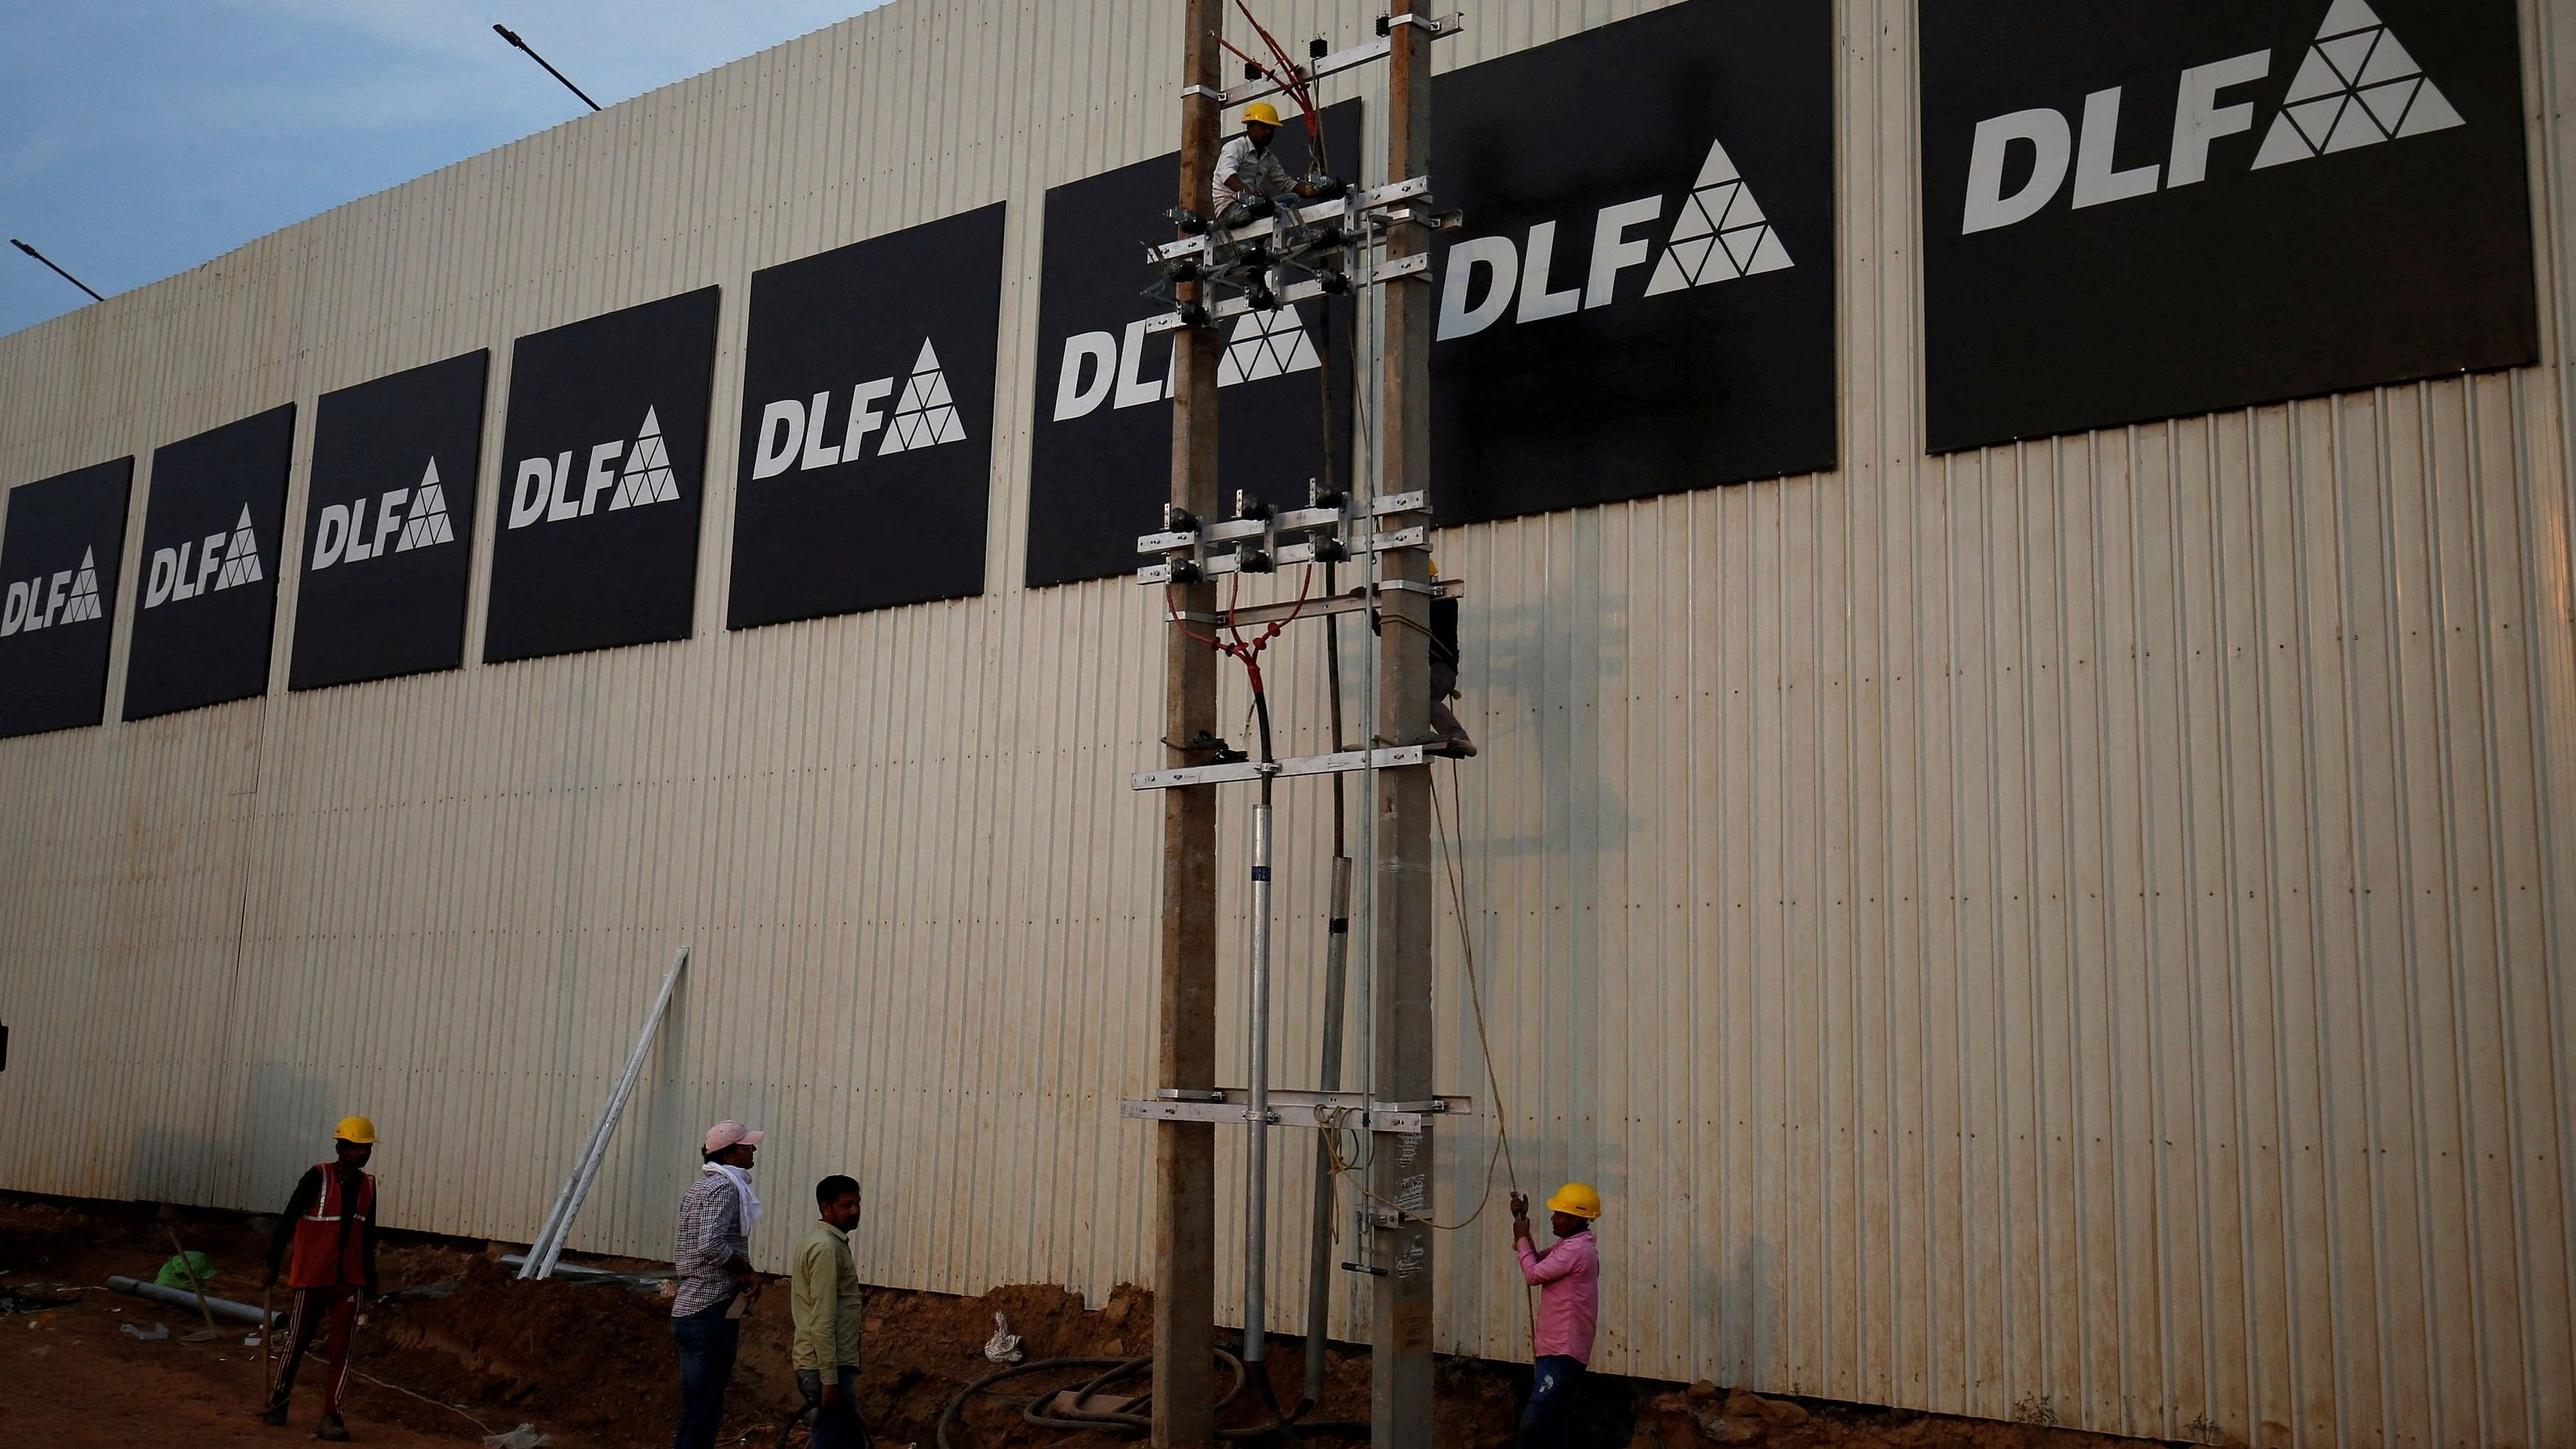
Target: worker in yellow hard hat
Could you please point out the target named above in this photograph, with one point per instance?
(1569, 1307)
(329, 1228)
(1249, 179)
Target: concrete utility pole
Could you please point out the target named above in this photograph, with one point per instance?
(1400, 1383)
(1185, 1055)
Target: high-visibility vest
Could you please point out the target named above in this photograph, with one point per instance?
(331, 1237)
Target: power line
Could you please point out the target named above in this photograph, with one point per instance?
(59, 272)
(512, 36)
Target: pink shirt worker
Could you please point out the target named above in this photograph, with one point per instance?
(1568, 1276)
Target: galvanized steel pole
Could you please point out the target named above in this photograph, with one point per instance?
(1185, 1005)
(1319, 1250)
(1256, 1111)
(1400, 1167)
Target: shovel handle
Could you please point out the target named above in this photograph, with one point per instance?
(189, 1267)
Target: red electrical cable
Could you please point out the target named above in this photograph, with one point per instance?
(1246, 652)
(1287, 78)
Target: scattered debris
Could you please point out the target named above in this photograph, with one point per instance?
(158, 1333)
(523, 1437)
(21, 1301)
(1004, 1345)
(174, 1274)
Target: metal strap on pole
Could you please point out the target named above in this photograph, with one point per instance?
(594, 1148)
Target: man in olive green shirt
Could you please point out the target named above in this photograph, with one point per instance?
(828, 1304)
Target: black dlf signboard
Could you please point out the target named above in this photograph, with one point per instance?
(1101, 444)
(389, 526)
(212, 547)
(867, 424)
(2136, 209)
(1642, 299)
(603, 466)
(60, 541)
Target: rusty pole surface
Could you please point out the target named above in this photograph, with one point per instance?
(1185, 1002)
(1400, 1170)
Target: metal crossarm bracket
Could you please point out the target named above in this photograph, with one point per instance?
(1440, 29)
(1253, 615)
(1352, 58)
(1342, 762)
(1320, 535)
(1218, 565)
(1348, 207)
(1293, 1108)
(1419, 264)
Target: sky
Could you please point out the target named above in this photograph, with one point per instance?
(140, 139)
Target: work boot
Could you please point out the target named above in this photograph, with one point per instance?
(331, 1428)
(1450, 736)
(273, 1414)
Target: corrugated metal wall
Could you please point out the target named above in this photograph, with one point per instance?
(2078, 930)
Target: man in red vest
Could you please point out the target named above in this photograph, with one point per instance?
(330, 1232)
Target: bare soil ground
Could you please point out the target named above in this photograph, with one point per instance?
(593, 1366)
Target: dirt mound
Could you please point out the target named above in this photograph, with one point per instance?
(1704, 1414)
(594, 1358)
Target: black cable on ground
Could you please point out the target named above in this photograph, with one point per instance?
(867, 1436)
(1130, 1421)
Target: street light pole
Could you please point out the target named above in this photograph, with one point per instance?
(59, 272)
(512, 36)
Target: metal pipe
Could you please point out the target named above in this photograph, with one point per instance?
(238, 1312)
(1319, 1252)
(594, 1148)
(1256, 1213)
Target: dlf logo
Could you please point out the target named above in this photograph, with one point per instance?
(1099, 367)
(544, 487)
(2356, 86)
(795, 433)
(1722, 234)
(174, 576)
(342, 531)
(68, 597)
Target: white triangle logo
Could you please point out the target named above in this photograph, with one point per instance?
(241, 556)
(82, 606)
(926, 416)
(1721, 234)
(646, 478)
(426, 523)
(1266, 344)
(2357, 86)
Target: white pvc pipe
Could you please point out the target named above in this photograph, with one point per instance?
(178, 1298)
(550, 1242)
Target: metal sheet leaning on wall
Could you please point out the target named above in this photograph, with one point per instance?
(2077, 926)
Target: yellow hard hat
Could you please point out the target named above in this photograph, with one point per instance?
(356, 1129)
(1578, 1198)
(1262, 111)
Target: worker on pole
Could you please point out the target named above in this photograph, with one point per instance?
(1568, 1276)
(1249, 180)
(828, 1306)
(325, 1245)
(717, 1284)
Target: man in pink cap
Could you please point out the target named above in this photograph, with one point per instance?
(716, 1281)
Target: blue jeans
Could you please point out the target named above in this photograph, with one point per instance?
(1549, 1420)
(708, 1342)
(836, 1427)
